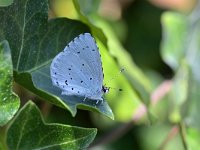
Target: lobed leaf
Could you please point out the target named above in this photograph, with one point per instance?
(29, 131)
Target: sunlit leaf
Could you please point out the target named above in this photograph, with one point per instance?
(95, 30)
(135, 76)
(9, 102)
(29, 131)
(192, 138)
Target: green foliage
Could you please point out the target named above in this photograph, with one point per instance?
(9, 102)
(29, 40)
(5, 2)
(180, 50)
(28, 131)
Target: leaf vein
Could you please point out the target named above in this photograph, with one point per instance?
(22, 42)
(64, 143)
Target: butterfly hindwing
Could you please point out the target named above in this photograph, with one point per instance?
(77, 70)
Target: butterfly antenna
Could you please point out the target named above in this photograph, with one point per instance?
(114, 78)
(115, 89)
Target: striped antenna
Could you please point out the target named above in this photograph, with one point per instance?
(121, 70)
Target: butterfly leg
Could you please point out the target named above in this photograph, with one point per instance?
(84, 98)
(99, 100)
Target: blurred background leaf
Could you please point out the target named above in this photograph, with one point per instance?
(82, 12)
(180, 49)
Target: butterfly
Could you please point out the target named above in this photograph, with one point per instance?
(77, 70)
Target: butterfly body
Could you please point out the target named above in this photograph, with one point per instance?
(77, 70)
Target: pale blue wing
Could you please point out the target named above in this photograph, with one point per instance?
(85, 46)
(77, 70)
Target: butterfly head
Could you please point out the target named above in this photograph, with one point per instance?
(105, 89)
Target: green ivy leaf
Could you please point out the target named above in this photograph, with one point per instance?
(174, 38)
(9, 102)
(5, 2)
(29, 131)
(34, 42)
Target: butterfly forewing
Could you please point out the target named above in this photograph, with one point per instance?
(85, 46)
